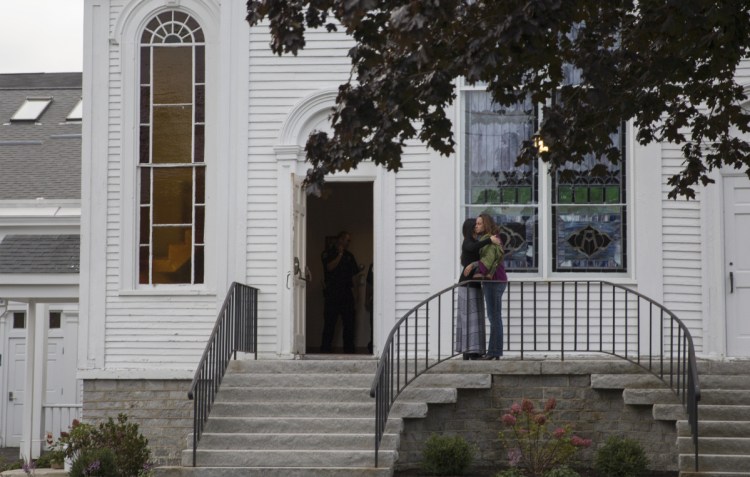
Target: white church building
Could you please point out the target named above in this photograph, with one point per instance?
(193, 153)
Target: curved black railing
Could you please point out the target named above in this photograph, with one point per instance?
(546, 316)
(236, 329)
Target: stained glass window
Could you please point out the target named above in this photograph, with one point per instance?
(171, 151)
(493, 137)
(589, 216)
(587, 227)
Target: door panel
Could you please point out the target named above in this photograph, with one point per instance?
(737, 264)
(300, 272)
(16, 390)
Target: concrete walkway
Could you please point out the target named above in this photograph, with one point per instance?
(11, 454)
(37, 472)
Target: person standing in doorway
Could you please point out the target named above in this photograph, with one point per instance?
(340, 268)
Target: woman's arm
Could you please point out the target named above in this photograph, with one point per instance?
(474, 246)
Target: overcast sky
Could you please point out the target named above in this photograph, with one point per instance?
(41, 36)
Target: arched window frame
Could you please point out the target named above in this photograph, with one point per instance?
(157, 173)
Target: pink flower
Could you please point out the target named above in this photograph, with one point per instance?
(540, 419)
(515, 409)
(550, 405)
(527, 405)
(559, 432)
(580, 442)
(509, 419)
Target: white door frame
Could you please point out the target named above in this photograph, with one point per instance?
(311, 113)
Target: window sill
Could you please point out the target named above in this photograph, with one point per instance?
(167, 292)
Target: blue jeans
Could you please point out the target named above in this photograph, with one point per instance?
(493, 297)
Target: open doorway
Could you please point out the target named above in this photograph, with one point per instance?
(343, 206)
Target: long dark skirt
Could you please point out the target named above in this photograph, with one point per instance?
(470, 327)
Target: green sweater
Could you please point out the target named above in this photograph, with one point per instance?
(491, 256)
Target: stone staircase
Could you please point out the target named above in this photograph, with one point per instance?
(723, 415)
(307, 418)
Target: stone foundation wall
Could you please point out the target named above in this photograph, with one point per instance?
(159, 407)
(592, 414)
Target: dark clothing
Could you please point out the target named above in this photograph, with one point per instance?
(470, 253)
(338, 298)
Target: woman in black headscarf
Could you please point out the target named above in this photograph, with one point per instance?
(470, 328)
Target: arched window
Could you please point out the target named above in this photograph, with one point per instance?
(171, 167)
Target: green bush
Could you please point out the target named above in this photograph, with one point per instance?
(562, 471)
(621, 457)
(129, 447)
(446, 455)
(44, 461)
(95, 463)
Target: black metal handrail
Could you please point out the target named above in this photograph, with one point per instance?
(236, 329)
(547, 316)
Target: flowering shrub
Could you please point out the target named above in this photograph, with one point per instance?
(128, 447)
(534, 443)
(95, 463)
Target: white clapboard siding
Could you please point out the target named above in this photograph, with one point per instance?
(275, 85)
(682, 249)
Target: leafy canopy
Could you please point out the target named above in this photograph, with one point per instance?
(669, 65)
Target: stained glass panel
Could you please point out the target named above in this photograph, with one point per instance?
(589, 239)
(173, 195)
(173, 75)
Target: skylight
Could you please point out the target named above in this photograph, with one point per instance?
(77, 113)
(31, 109)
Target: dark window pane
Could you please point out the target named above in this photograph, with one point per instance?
(55, 320)
(200, 64)
(180, 17)
(173, 75)
(144, 144)
(173, 195)
(19, 320)
(145, 230)
(200, 98)
(198, 35)
(172, 134)
(200, 185)
(154, 23)
(145, 105)
(166, 16)
(145, 185)
(192, 24)
(146, 37)
(199, 264)
(145, 65)
(199, 143)
(143, 254)
(200, 218)
(172, 252)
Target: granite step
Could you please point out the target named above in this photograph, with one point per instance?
(295, 441)
(288, 458)
(273, 472)
(709, 429)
